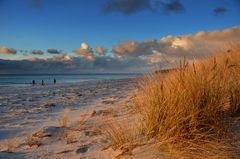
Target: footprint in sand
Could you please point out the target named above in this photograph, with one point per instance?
(82, 149)
(65, 151)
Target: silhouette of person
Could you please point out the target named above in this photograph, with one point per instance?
(42, 82)
(33, 82)
(54, 81)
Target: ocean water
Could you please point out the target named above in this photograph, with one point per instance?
(25, 80)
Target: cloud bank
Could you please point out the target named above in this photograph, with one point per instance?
(191, 46)
(67, 64)
(128, 56)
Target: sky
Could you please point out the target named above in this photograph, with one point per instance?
(58, 36)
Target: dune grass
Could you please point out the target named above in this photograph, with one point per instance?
(31, 141)
(123, 135)
(64, 121)
(190, 110)
(11, 144)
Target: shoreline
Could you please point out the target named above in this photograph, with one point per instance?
(27, 87)
(22, 80)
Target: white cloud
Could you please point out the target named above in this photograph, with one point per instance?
(86, 51)
(131, 56)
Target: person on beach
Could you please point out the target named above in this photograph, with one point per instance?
(42, 82)
(33, 82)
(54, 81)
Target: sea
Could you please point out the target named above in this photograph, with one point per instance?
(18, 80)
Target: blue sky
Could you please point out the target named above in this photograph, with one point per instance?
(65, 24)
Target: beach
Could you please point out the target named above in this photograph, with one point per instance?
(61, 121)
(119, 79)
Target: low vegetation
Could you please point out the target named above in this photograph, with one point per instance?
(64, 121)
(11, 145)
(31, 141)
(123, 136)
(190, 111)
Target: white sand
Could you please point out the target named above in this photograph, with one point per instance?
(30, 119)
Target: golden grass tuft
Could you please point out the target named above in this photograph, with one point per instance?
(12, 144)
(123, 135)
(190, 110)
(64, 121)
(32, 141)
(69, 137)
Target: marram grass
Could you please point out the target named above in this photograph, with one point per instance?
(190, 110)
